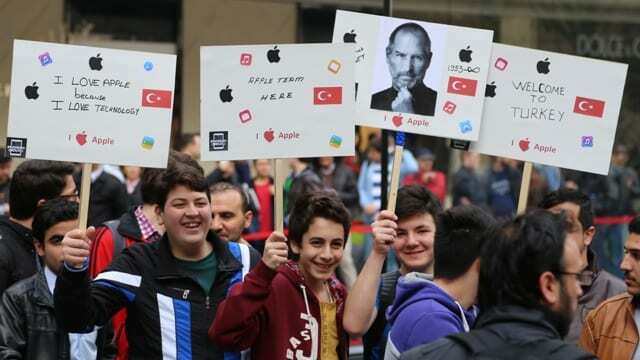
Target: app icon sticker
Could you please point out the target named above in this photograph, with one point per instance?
(17, 147)
(465, 126)
(334, 66)
(148, 65)
(45, 59)
(335, 141)
(246, 59)
(218, 141)
(587, 141)
(245, 116)
(501, 64)
(147, 142)
(449, 107)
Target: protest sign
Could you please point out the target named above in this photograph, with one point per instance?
(429, 81)
(551, 108)
(90, 105)
(277, 101)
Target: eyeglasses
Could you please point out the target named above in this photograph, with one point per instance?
(584, 278)
(75, 196)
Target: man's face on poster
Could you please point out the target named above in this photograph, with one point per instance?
(408, 57)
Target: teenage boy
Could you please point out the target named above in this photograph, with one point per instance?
(292, 309)
(410, 233)
(28, 327)
(425, 310)
(170, 288)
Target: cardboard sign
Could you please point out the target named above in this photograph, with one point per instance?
(279, 101)
(551, 108)
(90, 105)
(417, 77)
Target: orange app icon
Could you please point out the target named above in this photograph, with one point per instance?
(334, 66)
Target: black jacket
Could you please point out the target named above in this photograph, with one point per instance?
(108, 201)
(505, 327)
(28, 328)
(17, 253)
(424, 99)
(168, 314)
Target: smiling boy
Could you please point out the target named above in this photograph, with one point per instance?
(292, 309)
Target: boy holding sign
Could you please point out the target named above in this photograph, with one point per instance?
(293, 309)
(171, 288)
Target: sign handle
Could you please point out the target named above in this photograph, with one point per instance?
(395, 173)
(524, 188)
(278, 196)
(85, 192)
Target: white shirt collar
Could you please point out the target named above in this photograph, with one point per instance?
(95, 174)
(51, 277)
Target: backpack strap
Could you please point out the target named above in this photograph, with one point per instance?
(388, 288)
(118, 240)
(473, 341)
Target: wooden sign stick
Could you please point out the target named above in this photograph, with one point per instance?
(524, 188)
(85, 192)
(278, 196)
(395, 172)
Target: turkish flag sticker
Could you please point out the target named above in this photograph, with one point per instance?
(462, 86)
(156, 98)
(589, 107)
(327, 95)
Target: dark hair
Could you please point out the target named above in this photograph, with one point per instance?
(572, 196)
(315, 204)
(4, 157)
(461, 232)
(182, 170)
(184, 140)
(225, 186)
(34, 180)
(634, 225)
(50, 213)
(375, 144)
(516, 255)
(416, 200)
(151, 179)
(412, 28)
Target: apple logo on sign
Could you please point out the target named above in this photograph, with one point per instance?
(95, 62)
(543, 66)
(397, 120)
(81, 138)
(524, 144)
(31, 91)
(350, 37)
(465, 55)
(225, 94)
(490, 90)
(268, 135)
(273, 55)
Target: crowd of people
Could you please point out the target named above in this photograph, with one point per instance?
(168, 268)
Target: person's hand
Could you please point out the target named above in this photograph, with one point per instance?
(403, 102)
(370, 209)
(384, 231)
(76, 246)
(275, 250)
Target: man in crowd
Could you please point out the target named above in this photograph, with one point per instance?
(611, 330)
(230, 212)
(599, 285)
(28, 327)
(34, 182)
(426, 310)
(427, 176)
(408, 57)
(109, 199)
(5, 181)
(189, 144)
(410, 233)
(171, 288)
(528, 293)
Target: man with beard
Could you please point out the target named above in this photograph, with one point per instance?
(408, 57)
(529, 291)
(611, 330)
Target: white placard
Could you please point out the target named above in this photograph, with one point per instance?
(277, 101)
(90, 105)
(551, 108)
(445, 75)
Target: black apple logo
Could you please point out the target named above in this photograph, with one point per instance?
(490, 90)
(225, 94)
(31, 91)
(349, 37)
(465, 55)
(543, 66)
(273, 55)
(95, 63)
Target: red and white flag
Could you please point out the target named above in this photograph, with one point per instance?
(462, 86)
(156, 98)
(589, 107)
(327, 95)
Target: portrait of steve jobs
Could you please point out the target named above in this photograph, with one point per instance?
(408, 56)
